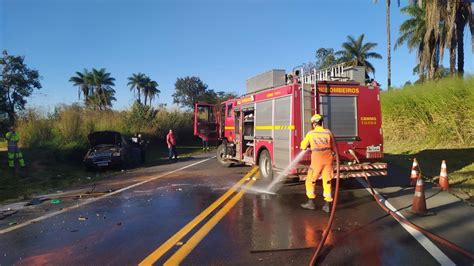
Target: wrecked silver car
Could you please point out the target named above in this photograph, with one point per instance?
(111, 149)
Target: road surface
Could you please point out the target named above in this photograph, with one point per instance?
(131, 226)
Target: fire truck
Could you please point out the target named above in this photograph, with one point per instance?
(265, 126)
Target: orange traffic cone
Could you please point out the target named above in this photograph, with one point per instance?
(415, 174)
(443, 177)
(419, 201)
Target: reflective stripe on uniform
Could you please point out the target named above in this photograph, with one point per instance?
(320, 149)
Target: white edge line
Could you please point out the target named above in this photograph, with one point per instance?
(426, 243)
(88, 201)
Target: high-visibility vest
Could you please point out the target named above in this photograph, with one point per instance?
(319, 139)
(12, 139)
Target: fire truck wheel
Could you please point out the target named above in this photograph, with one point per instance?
(220, 156)
(265, 165)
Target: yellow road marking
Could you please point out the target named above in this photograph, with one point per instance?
(184, 251)
(156, 255)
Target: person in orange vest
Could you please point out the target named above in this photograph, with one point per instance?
(320, 140)
(12, 139)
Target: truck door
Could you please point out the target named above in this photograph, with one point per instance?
(206, 121)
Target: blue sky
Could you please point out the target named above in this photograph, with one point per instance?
(224, 42)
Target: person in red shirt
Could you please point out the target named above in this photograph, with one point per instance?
(171, 141)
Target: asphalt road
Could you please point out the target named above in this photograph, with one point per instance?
(127, 227)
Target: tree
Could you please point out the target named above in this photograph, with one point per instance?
(325, 58)
(463, 19)
(356, 53)
(412, 31)
(224, 96)
(83, 82)
(190, 90)
(445, 23)
(137, 83)
(17, 82)
(150, 89)
(389, 42)
(103, 83)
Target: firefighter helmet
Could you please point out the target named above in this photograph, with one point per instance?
(316, 118)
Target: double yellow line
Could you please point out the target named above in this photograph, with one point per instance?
(192, 242)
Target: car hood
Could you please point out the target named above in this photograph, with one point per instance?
(104, 138)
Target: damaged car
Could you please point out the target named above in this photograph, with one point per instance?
(111, 149)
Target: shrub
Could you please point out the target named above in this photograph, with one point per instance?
(67, 128)
(34, 129)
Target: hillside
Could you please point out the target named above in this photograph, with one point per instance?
(433, 122)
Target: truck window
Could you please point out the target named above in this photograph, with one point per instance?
(205, 114)
(237, 122)
(229, 110)
(340, 115)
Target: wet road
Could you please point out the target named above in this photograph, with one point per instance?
(125, 228)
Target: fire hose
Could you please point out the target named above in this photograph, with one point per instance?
(397, 217)
(432, 236)
(333, 209)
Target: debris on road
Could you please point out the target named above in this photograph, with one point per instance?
(36, 201)
(12, 223)
(56, 201)
(179, 243)
(6, 213)
(119, 223)
(82, 218)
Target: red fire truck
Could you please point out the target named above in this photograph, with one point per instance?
(265, 126)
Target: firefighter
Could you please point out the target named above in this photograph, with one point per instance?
(12, 139)
(320, 140)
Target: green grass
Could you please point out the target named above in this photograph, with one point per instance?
(432, 122)
(438, 114)
(49, 170)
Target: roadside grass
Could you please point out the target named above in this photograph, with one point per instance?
(460, 164)
(49, 170)
(433, 121)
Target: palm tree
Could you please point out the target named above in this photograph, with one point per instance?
(445, 24)
(83, 82)
(151, 90)
(137, 82)
(389, 42)
(463, 19)
(413, 30)
(356, 53)
(103, 83)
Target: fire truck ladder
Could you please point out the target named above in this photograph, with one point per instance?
(335, 72)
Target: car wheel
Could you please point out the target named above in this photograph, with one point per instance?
(220, 156)
(265, 165)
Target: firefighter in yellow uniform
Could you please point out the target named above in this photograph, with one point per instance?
(320, 140)
(12, 139)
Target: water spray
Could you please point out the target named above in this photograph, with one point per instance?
(272, 187)
(282, 175)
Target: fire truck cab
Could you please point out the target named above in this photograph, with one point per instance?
(265, 126)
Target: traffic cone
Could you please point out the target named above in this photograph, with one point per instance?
(419, 201)
(443, 177)
(415, 174)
